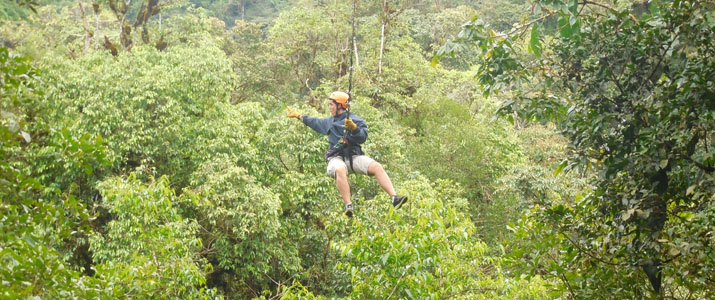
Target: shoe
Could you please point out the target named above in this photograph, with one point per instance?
(349, 210)
(397, 201)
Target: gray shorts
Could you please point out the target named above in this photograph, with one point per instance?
(360, 163)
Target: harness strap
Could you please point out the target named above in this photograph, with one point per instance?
(348, 152)
(347, 147)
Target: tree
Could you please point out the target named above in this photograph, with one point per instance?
(210, 190)
(28, 3)
(428, 253)
(148, 249)
(632, 90)
(474, 152)
(432, 30)
(13, 11)
(310, 45)
(39, 221)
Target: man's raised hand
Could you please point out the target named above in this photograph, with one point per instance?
(293, 114)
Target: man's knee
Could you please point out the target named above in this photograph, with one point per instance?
(341, 172)
(374, 168)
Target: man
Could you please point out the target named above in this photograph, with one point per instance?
(345, 134)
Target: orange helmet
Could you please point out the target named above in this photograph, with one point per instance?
(340, 97)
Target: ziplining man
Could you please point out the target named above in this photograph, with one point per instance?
(345, 154)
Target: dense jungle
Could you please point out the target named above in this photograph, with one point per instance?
(550, 149)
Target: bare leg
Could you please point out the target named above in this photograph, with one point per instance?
(375, 169)
(341, 180)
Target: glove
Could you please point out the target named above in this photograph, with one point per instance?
(294, 114)
(350, 125)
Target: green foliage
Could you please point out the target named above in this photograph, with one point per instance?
(68, 163)
(432, 30)
(18, 80)
(141, 102)
(147, 249)
(25, 237)
(194, 27)
(403, 74)
(243, 10)
(532, 182)
(254, 66)
(11, 11)
(242, 220)
(34, 224)
(46, 37)
(632, 94)
(17, 9)
(501, 15)
(473, 152)
(311, 44)
(254, 211)
(295, 291)
(425, 250)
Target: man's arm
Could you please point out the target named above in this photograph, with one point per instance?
(320, 125)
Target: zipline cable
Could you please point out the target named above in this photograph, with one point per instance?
(348, 148)
(352, 54)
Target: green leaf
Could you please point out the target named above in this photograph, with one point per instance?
(654, 8)
(673, 251)
(30, 241)
(435, 60)
(564, 27)
(26, 136)
(627, 215)
(560, 168)
(690, 189)
(535, 41)
(565, 8)
(87, 169)
(663, 163)
(384, 258)
(21, 69)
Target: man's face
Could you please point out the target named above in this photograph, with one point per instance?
(333, 107)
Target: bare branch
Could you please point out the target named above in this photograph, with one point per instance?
(87, 33)
(568, 285)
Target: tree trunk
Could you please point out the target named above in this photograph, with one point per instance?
(382, 48)
(87, 33)
(96, 26)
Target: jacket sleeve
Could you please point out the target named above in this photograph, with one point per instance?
(320, 125)
(359, 135)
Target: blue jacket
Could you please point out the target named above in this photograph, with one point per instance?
(334, 128)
